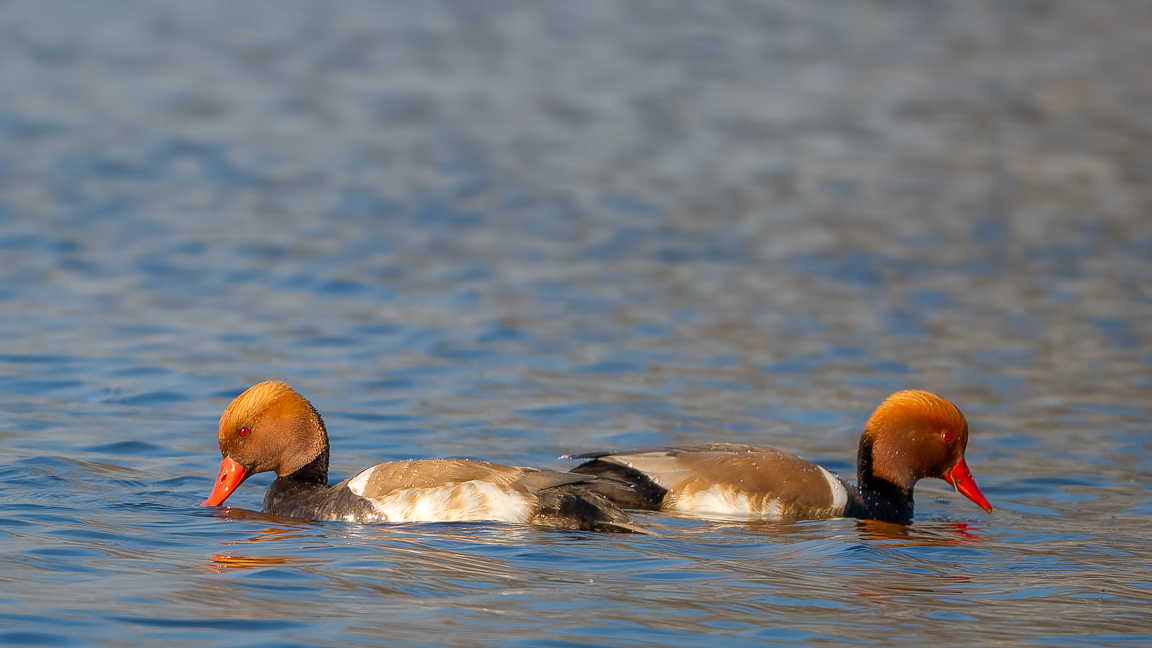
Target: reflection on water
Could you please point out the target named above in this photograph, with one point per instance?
(936, 533)
(513, 232)
(290, 532)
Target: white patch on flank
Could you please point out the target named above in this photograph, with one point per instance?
(460, 502)
(729, 501)
(357, 483)
(839, 493)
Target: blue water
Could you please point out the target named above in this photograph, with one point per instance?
(516, 230)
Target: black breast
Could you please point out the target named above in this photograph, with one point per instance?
(317, 502)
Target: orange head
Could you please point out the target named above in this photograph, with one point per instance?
(916, 434)
(269, 427)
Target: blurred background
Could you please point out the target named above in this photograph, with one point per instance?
(511, 230)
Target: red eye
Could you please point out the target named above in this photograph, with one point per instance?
(947, 436)
(244, 431)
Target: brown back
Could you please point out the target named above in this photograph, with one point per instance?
(759, 472)
(393, 476)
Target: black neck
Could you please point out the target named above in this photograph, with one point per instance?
(314, 472)
(879, 499)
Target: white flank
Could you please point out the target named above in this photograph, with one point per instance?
(839, 493)
(728, 501)
(460, 502)
(356, 484)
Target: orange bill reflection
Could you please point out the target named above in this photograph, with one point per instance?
(283, 536)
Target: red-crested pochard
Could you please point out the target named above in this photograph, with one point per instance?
(912, 435)
(270, 427)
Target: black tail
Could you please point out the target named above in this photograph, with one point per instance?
(579, 506)
(643, 493)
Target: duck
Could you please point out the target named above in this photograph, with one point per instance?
(912, 435)
(272, 428)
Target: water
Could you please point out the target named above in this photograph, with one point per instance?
(516, 230)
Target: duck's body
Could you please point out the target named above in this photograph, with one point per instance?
(912, 435)
(270, 427)
(723, 479)
(424, 490)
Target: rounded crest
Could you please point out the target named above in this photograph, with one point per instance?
(918, 405)
(272, 427)
(913, 434)
(247, 408)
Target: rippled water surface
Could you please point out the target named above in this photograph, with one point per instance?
(510, 230)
